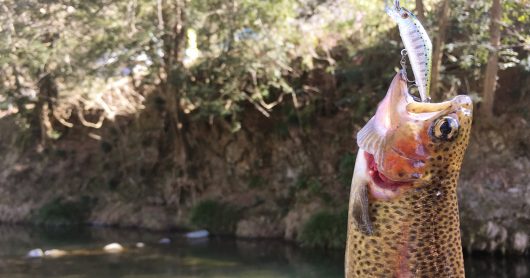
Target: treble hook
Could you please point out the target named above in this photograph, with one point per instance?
(396, 5)
(403, 63)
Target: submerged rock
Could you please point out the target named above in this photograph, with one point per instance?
(164, 240)
(197, 234)
(54, 253)
(113, 248)
(140, 245)
(520, 242)
(35, 253)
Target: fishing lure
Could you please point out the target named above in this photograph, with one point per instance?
(403, 213)
(418, 46)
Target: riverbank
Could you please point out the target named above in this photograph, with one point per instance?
(274, 178)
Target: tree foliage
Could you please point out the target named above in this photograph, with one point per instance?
(216, 58)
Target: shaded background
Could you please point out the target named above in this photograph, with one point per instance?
(240, 116)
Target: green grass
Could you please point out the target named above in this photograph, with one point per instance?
(325, 230)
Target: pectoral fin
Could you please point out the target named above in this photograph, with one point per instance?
(359, 211)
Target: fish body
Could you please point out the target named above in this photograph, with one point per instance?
(418, 46)
(403, 214)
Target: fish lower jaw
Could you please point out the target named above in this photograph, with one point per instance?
(380, 186)
(384, 191)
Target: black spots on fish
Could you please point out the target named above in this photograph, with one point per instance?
(378, 265)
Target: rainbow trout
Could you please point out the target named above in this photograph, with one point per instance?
(418, 46)
(403, 213)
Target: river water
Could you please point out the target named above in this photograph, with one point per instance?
(214, 257)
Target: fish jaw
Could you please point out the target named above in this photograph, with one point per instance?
(381, 187)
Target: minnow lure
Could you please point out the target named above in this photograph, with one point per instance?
(418, 46)
(403, 214)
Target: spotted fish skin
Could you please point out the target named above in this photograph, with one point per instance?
(408, 226)
(418, 46)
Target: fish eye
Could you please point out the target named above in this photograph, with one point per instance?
(445, 128)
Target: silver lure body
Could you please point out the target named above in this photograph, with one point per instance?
(418, 46)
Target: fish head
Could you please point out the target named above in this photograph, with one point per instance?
(408, 143)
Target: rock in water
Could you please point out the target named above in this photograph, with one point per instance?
(35, 253)
(54, 253)
(197, 234)
(140, 245)
(165, 241)
(113, 248)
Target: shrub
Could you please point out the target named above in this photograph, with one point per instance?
(256, 181)
(217, 217)
(325, 230)
(61, 212)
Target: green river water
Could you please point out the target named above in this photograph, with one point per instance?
(214, 257)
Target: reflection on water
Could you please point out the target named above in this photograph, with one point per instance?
(182, 258)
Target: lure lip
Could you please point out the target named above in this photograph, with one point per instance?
(395, 10)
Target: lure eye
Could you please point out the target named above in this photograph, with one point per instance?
(445, 128)
(404, 15)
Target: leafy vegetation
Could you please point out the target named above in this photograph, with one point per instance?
(346, 165)
(256, 181)
(217, 217)
(325, 230)
(60, 212)
(60, 57)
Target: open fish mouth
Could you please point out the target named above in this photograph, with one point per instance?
(399, 141)
(381, 187)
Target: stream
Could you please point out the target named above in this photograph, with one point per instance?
(213, 257)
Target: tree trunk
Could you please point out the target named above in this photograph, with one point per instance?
(420, 11)
(172, 24)
(439, 43)
(490, 80)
